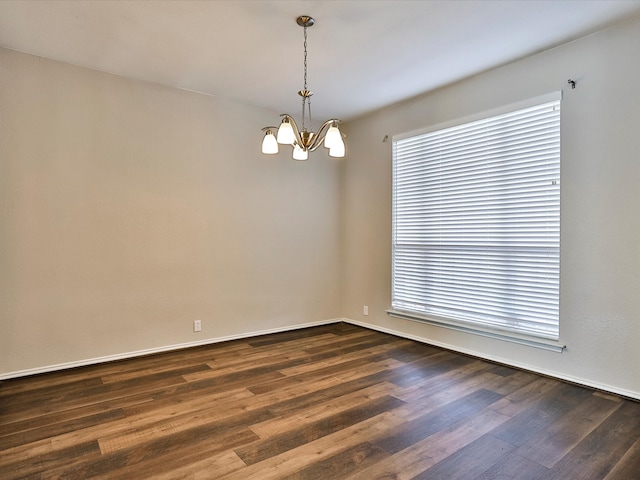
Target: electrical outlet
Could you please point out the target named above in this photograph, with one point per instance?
(197, 325)
(365, 310)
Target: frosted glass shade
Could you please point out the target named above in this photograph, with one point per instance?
(337, 150)
(285, 133)
(333, 137)
(269, 143)
(300, 154)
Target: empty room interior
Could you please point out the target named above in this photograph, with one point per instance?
(436, 276)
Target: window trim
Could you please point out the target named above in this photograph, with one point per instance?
(537, 342)
(531, 102)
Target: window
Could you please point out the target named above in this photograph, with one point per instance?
(476, 223)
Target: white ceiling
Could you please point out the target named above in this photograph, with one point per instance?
(363, 54)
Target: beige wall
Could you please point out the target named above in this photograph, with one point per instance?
(600, 259)
(128, 210)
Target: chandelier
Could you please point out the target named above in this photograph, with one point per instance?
(304, 140)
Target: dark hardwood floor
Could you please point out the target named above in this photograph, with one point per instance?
(330, 402)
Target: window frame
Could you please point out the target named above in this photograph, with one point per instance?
(550, 342)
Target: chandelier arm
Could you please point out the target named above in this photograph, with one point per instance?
(322, 132)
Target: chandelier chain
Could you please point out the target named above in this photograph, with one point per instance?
(306, 100)
(305, 57)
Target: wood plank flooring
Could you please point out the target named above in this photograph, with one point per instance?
(332, 402)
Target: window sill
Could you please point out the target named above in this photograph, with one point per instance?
(543, 343)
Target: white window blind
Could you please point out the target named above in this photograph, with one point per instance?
(476, 223)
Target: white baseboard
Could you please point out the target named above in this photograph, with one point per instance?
(166, 348)
(210, 341)
(541, 371)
